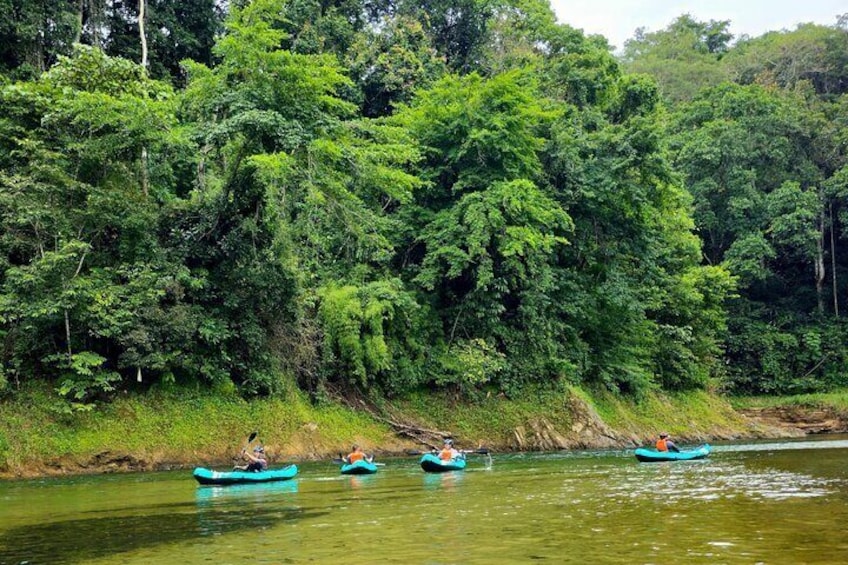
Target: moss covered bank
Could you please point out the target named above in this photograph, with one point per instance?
(166, 430)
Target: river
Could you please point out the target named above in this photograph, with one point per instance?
(766, 502)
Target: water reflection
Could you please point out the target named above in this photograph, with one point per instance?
(784, 445)
(713, 480)
(357, 482)
(443, 481)
(247, 492)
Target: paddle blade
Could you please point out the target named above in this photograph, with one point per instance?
(252, 437)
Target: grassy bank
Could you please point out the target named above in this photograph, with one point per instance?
(837, 400)
(575, 418)
(175, 428)
(694, 416)
(165, 429)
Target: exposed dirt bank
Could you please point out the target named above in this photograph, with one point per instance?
(799, 420)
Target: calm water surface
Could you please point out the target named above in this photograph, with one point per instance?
(748, 503)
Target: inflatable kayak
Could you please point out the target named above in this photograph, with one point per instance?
(646, 454)
(210, 477)
(361, 467)
(432, 464)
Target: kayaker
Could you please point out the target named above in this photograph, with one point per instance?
(665, 444)
(448, 453)
(355, 455)
(256, 461)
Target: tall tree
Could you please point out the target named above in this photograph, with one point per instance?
(637, 308)
(486, 234)
(390, 62)
(34, 33)
(813, 53)
(299, 185)
(84, 273)
(753, 159)
(174, 31)
(683, 58)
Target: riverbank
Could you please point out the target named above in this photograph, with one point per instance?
(805, 413)
(182, 429)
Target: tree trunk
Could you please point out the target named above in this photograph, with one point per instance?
(833, 264)
(145, 181)
(142, 4)
(67, 316)
(80, 20)
(141, 14)
(34, 50)
(819, 264)
(96, 16)
(68, 335)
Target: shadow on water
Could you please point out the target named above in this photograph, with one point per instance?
(84, 539)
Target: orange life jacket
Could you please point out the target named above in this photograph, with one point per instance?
(661, 445)
(446, 454)
(355, 456)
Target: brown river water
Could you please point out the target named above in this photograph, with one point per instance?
(769, 502)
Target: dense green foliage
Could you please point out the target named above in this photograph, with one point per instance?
(759, 136)
(392, 196)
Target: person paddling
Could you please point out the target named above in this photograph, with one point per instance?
(355, 455)
(448, 453)
(665, 444)
(256, 461)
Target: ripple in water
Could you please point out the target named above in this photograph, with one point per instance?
(705, 481)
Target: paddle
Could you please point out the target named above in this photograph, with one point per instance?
(250, 438)
(340, 461)
(240, 456)
(481, 451)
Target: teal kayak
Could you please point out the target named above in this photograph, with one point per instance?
(210, 477)
(647, 455)
(361, 467)
(432, 464)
